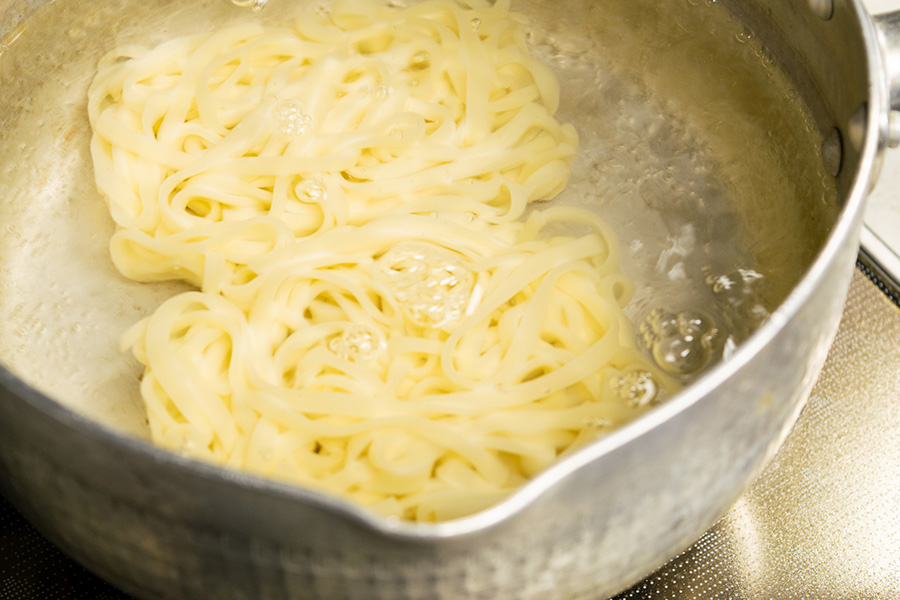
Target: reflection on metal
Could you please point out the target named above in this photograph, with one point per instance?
(823, 9)
(894, 129)
(832, 152)
(856, 129)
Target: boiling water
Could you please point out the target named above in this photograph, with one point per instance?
(692, 144)
(698, 150)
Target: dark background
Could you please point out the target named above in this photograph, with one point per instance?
(33, 569)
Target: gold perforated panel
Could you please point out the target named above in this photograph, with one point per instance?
(823, 521)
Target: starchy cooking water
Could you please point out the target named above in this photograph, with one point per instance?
(694, 147)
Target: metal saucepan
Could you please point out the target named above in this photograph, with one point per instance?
(748, 130)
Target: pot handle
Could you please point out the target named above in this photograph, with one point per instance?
(888, 27)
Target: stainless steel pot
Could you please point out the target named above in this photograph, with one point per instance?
(160, 526)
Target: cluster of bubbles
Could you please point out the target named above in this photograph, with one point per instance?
(739, 290)
(356, 343)
(744, 36)
(637, 389)
(685, 343)
(680, 343)
(598, 423)
(290, 118)
(739, 296)
(432, 286)
(382, 91)
(379, 91)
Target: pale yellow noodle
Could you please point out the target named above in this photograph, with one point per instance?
(395, 109)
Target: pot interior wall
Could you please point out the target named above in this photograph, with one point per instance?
(694, 144)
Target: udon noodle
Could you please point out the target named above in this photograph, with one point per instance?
(382, 312)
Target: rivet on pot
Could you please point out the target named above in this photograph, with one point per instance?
(856, 129)
(894, 129)
(833, 152)
(824, 9)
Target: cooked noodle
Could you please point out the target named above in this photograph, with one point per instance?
(378, 315)
(236, 142)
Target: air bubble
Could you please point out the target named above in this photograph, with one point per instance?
(400, 131)
(420, 60)
(637, 389)
(290, 120)
(432, 285)
(382, 91)
(736, 289)
(598, 423)
(475, 24)
(356, 343)
(311, 191)
(185, 446)
(680, 343)
(254, 5)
